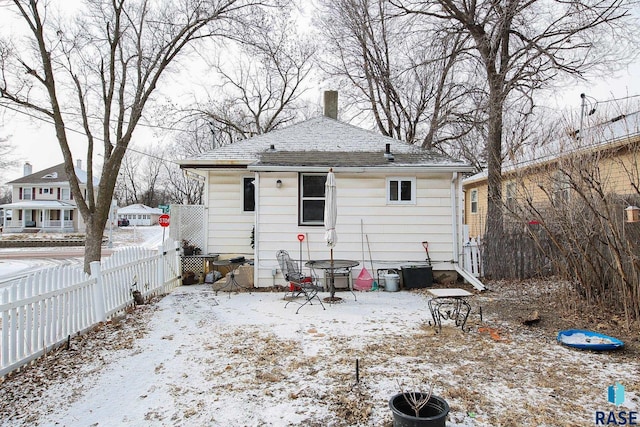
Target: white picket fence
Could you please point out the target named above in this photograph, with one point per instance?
(472, 257)
(40, 311)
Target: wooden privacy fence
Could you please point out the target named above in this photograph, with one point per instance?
(40, 311)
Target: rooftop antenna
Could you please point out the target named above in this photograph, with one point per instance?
(583, 109)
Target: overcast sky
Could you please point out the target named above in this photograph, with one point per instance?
(35, 140)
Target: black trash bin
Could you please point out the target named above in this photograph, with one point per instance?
(417, 276)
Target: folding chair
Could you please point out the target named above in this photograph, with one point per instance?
(300, 285)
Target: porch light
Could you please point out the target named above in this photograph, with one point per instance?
(633, 214)
(279, 183)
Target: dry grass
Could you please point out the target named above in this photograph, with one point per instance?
(518, 376)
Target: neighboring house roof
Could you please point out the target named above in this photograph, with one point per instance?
(139, 209)
(53, 175)
(618, 131)
(320, 141)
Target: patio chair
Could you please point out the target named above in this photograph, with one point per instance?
(299, 285)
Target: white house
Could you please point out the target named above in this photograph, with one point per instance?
(139, 214)
(43, 201)
(271, 188)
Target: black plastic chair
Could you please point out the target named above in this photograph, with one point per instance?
(299, 285)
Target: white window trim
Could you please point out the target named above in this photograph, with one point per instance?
(25, 192)
(301, 199)
(242, 206)
(473, 205)
(400, 179)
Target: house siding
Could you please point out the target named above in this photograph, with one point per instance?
(393, 242)
(616, 170)
(229, 228)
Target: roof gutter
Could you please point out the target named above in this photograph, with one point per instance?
(398, 168)
(209, 165)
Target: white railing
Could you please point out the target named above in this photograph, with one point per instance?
(472, 258)
(40, 311)
(57, 223)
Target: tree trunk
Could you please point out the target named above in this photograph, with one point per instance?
(495, 227)
(93, 242)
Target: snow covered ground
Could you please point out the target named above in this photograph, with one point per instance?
(196, 359)
(150, 237)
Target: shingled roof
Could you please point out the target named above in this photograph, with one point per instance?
(319, 142)
(53, 175)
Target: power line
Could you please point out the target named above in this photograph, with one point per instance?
(50, 122)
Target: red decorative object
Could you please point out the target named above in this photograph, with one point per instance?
(300, 238)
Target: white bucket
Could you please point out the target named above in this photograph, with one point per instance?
(392, 282)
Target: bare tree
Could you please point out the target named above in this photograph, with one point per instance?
(99, 70)
(521, 46)
(411, 88)
(140, 176)
(572, 207)
(261, 84)
(7, 158)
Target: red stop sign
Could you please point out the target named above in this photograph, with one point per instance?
(163, 220)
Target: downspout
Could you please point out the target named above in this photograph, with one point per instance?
(256, 231)
(205, 201)
(454, 214)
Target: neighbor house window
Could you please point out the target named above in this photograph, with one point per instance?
(26, 193)
(312, 198)
(510, 195)
(248, 194)
(474, 201)
(561, 188)
(401, 190)
(66, 194)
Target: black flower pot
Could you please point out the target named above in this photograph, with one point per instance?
(433, 414)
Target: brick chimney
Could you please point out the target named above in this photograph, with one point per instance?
(331, 104)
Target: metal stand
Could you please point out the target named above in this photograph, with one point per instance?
(231, 283)
(449, 304)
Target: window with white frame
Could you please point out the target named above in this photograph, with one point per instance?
(312, 198)
(248, 194)
(561, 187)
(401, 190)
(474, 201)
(510, 195)
(26, 193)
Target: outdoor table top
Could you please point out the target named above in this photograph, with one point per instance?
(327, 264)
(449, 293)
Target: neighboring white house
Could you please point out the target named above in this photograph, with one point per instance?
(391, 197)
(139, 214)
(43, 201)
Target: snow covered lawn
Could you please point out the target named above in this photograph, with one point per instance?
(196, 359)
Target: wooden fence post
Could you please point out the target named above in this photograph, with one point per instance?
(161, 267)
(98, 292)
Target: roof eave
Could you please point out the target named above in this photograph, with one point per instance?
(362, 169)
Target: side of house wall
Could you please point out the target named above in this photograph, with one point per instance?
(229, 228)
(394, 232)
(615, 171)
(475, 220)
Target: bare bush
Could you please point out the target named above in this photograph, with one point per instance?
(567, 217)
